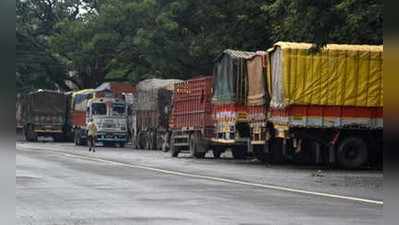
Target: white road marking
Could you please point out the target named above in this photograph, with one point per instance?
(225, 180)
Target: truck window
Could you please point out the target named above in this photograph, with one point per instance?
(118, 109)
(99, 109)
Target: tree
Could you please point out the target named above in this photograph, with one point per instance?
(321, 22)
(36, 65)
(160, 38)
(91, 41)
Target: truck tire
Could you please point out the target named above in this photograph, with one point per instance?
(239, 152)
(159, 142)
(352, 152)
(141, 143)
(173, 150)
(197, 146)
(76, 138)
(147, 142)
(217, 152)
(260, 153)
(276, 150)
(164, 147)
(150, 141)
(58, 137)
(30, 134)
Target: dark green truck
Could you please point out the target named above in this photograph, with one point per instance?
(43, 113)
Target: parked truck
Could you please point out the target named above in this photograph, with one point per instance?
(326, 106)
(108, 111)
(42, 113)
(151, 112)
(258, 100)
(230, 101)
(126, 92)
(191, 122)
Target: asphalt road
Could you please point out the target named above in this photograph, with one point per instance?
(60, 184)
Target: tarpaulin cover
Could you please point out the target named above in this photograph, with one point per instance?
(42, 107)
(116, 87)
(153, 103)
(230, 77)
(337, 75)
(148, 93)
(49, 102)
(256, 67)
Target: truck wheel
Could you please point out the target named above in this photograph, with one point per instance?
(260, 154)
(352, 152)
(149, 143)
(30, 134)
(75, 141)
(58, 138)
(217, 152)
(159, 142)
(276, 150)
(166, 142)
(141, 140)
(146, 144)
(174, 153)
(239, 152)
(25, 131)
(197, 148)
(165, 147)
(77, 138)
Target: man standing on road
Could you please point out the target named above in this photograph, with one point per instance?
(92, 134)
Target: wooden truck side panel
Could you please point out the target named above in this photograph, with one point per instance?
(192, 108)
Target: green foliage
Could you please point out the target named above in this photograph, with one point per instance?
(99, 40)
(320, 22)
(36, 65)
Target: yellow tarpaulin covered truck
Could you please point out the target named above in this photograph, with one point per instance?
(326, 105)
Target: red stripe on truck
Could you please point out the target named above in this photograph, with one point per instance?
(329, 111)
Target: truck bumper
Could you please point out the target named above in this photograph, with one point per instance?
(230, 142)
(48, 131)
(257, 142)
(112, 137)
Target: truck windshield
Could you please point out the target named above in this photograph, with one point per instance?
(118, 109)
(99, 109)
